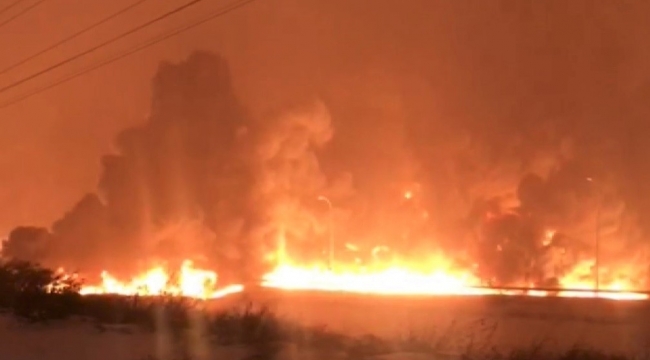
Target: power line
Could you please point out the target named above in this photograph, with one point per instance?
(223, 11)
(71, 37)
(20, 13)
(101, 45)
(8, 7)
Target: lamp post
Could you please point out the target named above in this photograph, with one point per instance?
(597, 262)
(330, 253)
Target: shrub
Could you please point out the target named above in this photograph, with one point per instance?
(36, 293)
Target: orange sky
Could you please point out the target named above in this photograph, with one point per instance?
(283, 49)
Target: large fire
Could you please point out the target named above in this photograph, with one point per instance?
(400, 280)
(389, 280)
(384, 274)
(190, 282)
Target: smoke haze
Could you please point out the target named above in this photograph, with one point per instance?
(493, 116)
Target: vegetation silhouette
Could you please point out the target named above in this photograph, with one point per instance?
(31, 292)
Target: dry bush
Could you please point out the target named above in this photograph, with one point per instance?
(34, 293)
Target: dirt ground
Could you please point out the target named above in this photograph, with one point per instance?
(77, 340)
(456, 323)
(453, 324)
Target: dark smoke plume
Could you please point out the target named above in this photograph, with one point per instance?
(505, 176)
(179, 184)
(198, 180)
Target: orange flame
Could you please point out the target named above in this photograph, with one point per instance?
(435, 276)
(191, 282)
(390, 280)
(402, 281)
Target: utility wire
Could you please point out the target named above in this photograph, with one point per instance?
(101, 45)
(71, 37)
(8, 7)
(20, 13)
(223, 11)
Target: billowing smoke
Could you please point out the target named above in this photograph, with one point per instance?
(530, 206)
(290, 177)
(203, 179)
(179, 185)
(559, 220)
(199, 180)
(523, 207)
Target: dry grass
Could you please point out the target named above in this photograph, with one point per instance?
(261, 331)
(267, 337)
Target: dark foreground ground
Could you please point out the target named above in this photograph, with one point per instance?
(332, 326)
(504, 322)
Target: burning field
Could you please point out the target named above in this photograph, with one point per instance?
(392, 280)
(203, 198)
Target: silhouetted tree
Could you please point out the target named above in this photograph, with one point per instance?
(36, 293)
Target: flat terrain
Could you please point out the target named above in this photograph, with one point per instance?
(456, 322)
(452, 324)
(74, 340)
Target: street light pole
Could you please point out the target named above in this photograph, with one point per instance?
(598, 245)
(330, 255)
(597, 262)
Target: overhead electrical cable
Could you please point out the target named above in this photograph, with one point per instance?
(20, 13)
(8, 7)
(71, 37)
(101, 45)
(220, 12)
